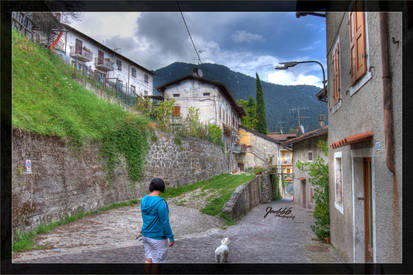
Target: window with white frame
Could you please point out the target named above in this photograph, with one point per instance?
(133, 72)
(146, 78)
(338, 181)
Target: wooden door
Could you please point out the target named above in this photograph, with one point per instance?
(100, 57)
(78, 49)
(304, 194)
(368, 210)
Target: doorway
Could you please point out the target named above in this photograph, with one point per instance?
(368, 211)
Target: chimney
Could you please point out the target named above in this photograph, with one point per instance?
(197, 72)
(321, 119)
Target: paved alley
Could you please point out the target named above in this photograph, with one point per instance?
(254, 239)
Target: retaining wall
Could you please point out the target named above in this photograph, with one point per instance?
(247, 196)
(64, 182)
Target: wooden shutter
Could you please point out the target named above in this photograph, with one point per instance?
(358, 52)
(177, 110)
(336, 74)
(100, 57)
(78, 49)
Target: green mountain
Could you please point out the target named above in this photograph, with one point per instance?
(279, 99)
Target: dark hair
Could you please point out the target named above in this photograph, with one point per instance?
(157, 184)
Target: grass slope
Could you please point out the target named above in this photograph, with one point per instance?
(225, 184)
(46, 100)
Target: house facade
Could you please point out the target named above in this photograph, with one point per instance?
(260, 150)
(305, 149)
(215, 103)
(90, 56)
(364, 136)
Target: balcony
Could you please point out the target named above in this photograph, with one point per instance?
(286, 162)
(239, 149)
(82, 55)
(104, 65)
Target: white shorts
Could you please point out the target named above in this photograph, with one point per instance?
(157, 250)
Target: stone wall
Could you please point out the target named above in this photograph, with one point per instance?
(64, 182)
(247, 196)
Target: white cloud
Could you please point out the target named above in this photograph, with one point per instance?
(104, 25)
(244, 36)
(290, 78)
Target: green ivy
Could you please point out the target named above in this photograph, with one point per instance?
(318, 177)
(129, 138)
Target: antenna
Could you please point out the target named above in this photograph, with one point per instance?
(298, 110)
(280, 123)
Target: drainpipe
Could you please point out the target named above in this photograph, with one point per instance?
(55, 42)
(388, 128)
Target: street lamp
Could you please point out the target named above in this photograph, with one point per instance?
(322, 94)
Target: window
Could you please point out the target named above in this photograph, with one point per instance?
(100, 57)
(133, 89)
(119, 64)
(176, 111)
(358, 54)
(206, 94)
(287, 157)
(176, 95)
(133, 72)
(310, 156)
(288, 171)
(338, 178)
(145, 92)
(336, 74)
(146, 78)
(220, 112)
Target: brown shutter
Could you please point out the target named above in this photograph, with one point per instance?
(78, 49)
(336, 74)
(177, 110)
(357, 46)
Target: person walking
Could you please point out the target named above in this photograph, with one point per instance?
(156, 229)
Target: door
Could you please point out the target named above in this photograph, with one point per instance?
(368, 211)
(78, 49)
(304, 193)
(100, 57)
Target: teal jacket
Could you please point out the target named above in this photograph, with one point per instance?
(155, 215)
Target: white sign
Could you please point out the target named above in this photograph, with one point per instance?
(28, 166)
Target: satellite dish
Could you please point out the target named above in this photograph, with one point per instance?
(200, 72)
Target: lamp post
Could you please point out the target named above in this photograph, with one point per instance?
(289, 64)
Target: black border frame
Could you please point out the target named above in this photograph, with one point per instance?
(237, 5)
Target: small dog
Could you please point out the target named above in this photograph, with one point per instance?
(222, 251)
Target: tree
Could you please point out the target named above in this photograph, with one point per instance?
(250, 119)
(260, 109)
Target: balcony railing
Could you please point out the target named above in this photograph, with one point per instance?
(239, 149)
(82, 55)
(286, 162)
(104, 65)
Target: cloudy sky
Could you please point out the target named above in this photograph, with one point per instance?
(246, 42)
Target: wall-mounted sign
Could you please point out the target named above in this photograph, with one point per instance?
(28, 166)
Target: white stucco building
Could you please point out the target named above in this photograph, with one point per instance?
(85, 53)
(215, 103)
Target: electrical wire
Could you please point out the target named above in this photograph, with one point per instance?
(193, 44)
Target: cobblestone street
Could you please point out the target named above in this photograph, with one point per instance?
(254, 239)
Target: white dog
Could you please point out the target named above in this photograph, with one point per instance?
(222, 251)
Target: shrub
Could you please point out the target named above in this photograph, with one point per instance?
(318, 177)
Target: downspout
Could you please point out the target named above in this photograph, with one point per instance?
(55, 42)
(388, 129)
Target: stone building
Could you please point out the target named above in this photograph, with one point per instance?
(305, 149)
(90, 56)
(215, 103)
(364, 136)
(259, 150)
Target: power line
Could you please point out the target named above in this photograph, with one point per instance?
(193, 44)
